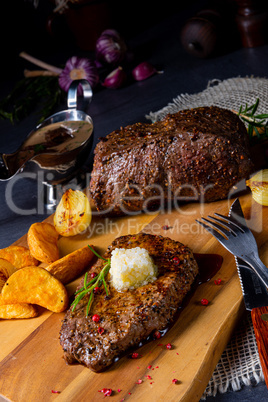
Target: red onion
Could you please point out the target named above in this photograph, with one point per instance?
(143, 70)
(110, 47)
(78, 68)
(115, 79)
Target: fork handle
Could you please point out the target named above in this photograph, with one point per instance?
(259, 317)
(258, 267)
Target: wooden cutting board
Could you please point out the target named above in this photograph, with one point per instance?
(32, 367)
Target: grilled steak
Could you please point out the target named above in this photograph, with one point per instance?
(129, 317)
(194, 154)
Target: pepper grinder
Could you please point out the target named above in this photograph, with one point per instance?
(200, 34)
(251, 20)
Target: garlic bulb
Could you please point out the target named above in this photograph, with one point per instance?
(110, 47)
(259, 187)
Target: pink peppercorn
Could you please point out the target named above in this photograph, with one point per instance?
(175, 381)
(96, 318)
(106, 391)
(204, 302)
(168, 346)
(157, 335)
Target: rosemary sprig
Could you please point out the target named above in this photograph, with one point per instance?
(89, 286)
(27, 94)
(256, 123)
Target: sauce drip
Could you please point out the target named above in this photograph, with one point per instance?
(209, 265)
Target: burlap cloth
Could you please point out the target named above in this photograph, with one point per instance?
(239, 364)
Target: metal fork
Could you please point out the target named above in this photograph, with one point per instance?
(237, 239)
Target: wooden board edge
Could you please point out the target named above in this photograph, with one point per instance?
(195, 391)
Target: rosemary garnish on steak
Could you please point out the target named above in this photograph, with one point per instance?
(256, 123)
(93, 285)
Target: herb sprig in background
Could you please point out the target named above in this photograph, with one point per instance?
(40, 94)
(257, 123)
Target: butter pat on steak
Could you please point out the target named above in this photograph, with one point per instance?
(194, 154)
(129, 317)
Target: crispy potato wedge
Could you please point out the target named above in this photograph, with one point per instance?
(72, 265)
(20, 310)
(73, 213)
(19, 256)
(6, 270)
(1, 300)
(2, 282)
(42, 241)
(35, 285)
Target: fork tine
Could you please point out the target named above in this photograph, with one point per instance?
(228, 219)
(212, 231)
(242, 226)
(225, 232)
(226, 224)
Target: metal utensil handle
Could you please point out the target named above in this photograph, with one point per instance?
(72, 94)
(258, 267)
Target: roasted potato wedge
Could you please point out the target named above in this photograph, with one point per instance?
(9, 311)
(72, 265)
(1, 299)
(20, 310)
(43, 242)
(2, 282)
(6, 269)
(19, 256)
(73, 213)
(35, 285)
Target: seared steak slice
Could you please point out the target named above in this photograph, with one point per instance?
(129, 317)
(197, 154)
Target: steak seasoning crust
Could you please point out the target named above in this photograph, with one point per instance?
(127, 318)
(195, 154)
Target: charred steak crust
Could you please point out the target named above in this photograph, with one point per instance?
(129, 317)
(205, 149)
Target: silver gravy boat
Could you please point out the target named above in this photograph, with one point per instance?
(58, 147)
